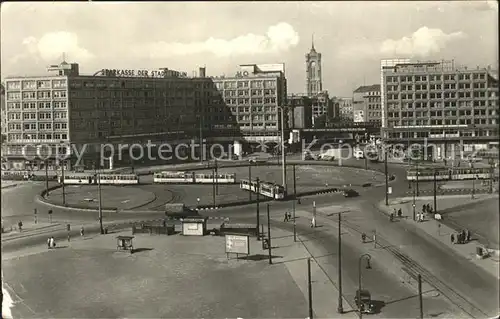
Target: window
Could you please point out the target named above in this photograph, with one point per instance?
(13, 96)
(59, 94)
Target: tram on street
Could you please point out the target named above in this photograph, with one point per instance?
(105, 179)
(193, 178)
(427, 173)
(267, 189)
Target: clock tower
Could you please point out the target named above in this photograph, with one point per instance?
(314, 84)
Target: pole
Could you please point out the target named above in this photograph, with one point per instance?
(63, 188)
(435, 193)
(309, 288)
(340, 308)
(418, 193)
(283, 156)
(269, 235)
(409, 167)
(414, 215)
(216, 177)
(250, 180)
(47, 177)
(473, 187)
(100, 202)
(491, 176)
(420, 300)
(386, 181)
(258, 209)
(314, 214)
(213, 186)
(366, 161)
(294, 183)
(294, 223)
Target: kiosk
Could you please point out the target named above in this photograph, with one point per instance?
(194, 226)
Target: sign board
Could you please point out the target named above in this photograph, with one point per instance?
(142, 73)
(237, 244)
(389, 190)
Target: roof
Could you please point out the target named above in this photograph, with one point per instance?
(368, 88)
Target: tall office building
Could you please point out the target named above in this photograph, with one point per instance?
(314, 84)
(440, 102)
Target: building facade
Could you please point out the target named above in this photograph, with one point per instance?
(136, 106)
(346, 111)
(314, 83)
(439, 102)
(300, 107)
(3, 114)
(366, 104)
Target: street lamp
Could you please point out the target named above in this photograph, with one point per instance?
(283, 156)
(413, 203)
(98, 177)
(368, 266)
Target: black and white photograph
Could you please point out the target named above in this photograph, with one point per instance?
(250, 159)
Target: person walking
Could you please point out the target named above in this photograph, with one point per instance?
(48, 243)
(400, 213)
(452, 238)
(285, 219)
(20, 225)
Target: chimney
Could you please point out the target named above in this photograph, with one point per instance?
(202, 72)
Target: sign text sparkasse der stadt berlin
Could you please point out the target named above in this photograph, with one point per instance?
(142, 73)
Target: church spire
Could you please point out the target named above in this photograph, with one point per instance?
(312, 43)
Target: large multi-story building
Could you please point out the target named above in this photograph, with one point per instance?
(314, 83)
(439, 102)
(3, 118)
(300, 107)
(137, 106)
(366, 104)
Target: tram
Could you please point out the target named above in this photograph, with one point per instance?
(193, 178)
(105, 179)
(267, 189)
(427, 174)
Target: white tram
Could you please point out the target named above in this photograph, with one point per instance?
(267, 189)
(427, 174)
(105, 179)
(193, 178)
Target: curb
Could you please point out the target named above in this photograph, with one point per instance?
(9, 186)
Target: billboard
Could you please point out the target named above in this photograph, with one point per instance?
(237, 244)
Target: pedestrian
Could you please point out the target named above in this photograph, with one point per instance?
(289, 216)
(468, 236)
(313, 222)
(52, 242)
(20, 225)
(394, 212)
(82, 231)
(452, 238)
(48, 243)
(400, 212)
(285, 219)
(422, 217)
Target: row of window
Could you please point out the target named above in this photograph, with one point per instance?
(31, 84)
(442, 122)
(33, 116)
(424, 134)
(41, 126)
(437, 77)
(435, 104)
(33, 95)
(36, 136)
(249, 92)
(481, 112)
(248, 101)
(446, 95)
(257, 117)
(435, 87)
(33, 105)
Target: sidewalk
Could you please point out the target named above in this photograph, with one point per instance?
(442, 232)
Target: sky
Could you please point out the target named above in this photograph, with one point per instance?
(351, 36)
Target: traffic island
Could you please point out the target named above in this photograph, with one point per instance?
(113, 197)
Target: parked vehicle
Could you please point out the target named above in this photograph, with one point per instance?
(363, 301)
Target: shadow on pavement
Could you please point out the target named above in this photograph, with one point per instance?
(406, 298)
(259, 257)
(377, 306)
(138, 250)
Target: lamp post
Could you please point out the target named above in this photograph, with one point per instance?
(258, 208)
(474, 185)
(283, 155)
(63, 188)
(435, 192)
(417, 177)
(413, 205)
(47, 177)
(98, 177)
(250, 180)
(386, 180)
(294, 223)
(340, 308)
(368, 258)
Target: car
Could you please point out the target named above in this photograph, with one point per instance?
(364, 302)
(350, 193)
